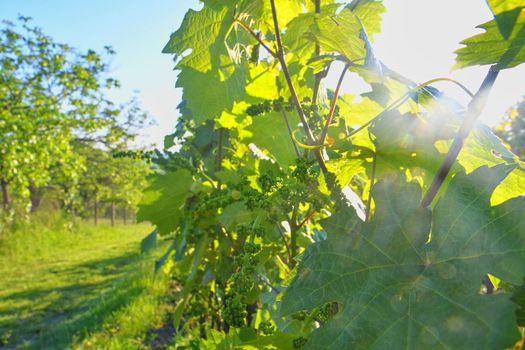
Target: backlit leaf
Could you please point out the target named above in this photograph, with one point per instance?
(491, 47)
(163, 200)
(399, 292)
(506, 13)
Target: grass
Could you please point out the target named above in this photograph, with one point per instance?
(81, 287)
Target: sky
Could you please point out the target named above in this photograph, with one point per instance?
(418, 40)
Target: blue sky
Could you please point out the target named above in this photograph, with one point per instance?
(418, 40)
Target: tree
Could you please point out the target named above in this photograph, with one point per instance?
(115, 170)
(49, 95)
(58, 129)
(112, 179)
(512, 129)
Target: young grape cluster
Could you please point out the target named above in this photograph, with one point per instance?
(252, 198)
(266, 328)
(327, 311)
(269, 105)
(247, 230)
(242, 282)
(269, 183)
(299, 342)
(302, 171)
(213, 201)
(300, 315)
(140, 154)
(302, 187)
(181, 163)
(255, 199)
(234, 312)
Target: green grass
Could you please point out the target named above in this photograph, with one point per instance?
(77, 287)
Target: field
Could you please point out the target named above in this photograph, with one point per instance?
(78, 287)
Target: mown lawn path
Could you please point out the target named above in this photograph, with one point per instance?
(57, 286)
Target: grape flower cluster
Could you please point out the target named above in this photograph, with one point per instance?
(242, 282)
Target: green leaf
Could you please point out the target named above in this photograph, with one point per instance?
(164, 199)
(162, 260)
(342, 32)
(518, 296)
(269, 132)
(482, 147)
(279, 340)
(399, 292)
(169, 141)
(235, 214)
(344, 169)
(209, 63)
(262, 82)
(236, 118)
(491, 47)
(296, 38)
(260, 12)
(506, 13)
(339, 33)
(512, 186)
(149, 242)
(203, 32)
(369, 12)
(220, 91)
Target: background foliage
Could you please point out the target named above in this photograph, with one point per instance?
(59, 132)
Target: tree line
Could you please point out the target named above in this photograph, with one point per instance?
(62, 141)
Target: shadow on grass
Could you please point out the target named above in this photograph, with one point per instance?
(48, 318)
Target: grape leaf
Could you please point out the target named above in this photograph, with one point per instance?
(295, 38)
(220, 92)
(222, 341)
(163, 199)
(518, 296)
(262, 82)
(506, 13)
(203, 33)
(491, 47)
(344, 168)
(369, 12)
(339, 33)
(235, 214)
(400, 292)
(348, 31)
(260, 12)
(206, 61)
(269, 132)
(482, 147)
(149, 242)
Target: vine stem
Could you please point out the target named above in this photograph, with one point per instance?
(403, 98)
(288, 251)
(290, 132)
(475, 107)
(332, 106)
(219, 154)
(372, 182)
(306, 218)
(295, 98)
(293, 233)
(318, 76)
(250, 30)
(273, 54)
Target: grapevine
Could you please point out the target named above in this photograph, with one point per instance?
(299, 209)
